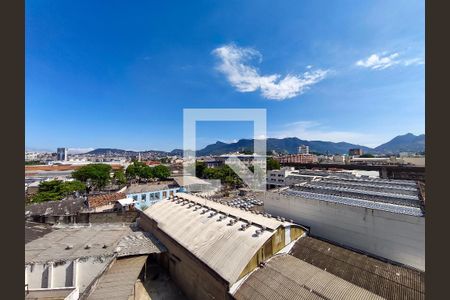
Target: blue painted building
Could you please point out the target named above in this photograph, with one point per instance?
(145, 195)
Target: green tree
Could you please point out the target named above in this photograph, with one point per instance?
(161, 172)
(367, 155)
(139, 170)
(96, 174)
(147, 172)
(119, 177)
(272, 164)
(56, 190)
(200, 167)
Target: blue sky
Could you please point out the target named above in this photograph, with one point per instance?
(119, 75)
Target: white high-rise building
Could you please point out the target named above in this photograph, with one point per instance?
(303, 149)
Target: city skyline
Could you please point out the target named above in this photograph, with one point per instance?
(120, 76)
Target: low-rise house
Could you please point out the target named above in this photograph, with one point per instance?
(145, 195)
(52, 212)
(80, 262)
(104, 202)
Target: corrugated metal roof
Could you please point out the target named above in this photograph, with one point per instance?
(390, 207)
(101, 241)
(118, 282)
(271, 223)
(139, 243)
(285, 277)
(208, 234)
(381, 278)
(75, 242)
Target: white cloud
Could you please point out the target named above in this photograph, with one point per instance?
(314, 131)
(413, 61)
(246, 78)
(384, 61)
(377, 62)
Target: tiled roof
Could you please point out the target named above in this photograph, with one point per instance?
(104, 199)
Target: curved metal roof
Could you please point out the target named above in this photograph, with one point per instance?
(207, 233)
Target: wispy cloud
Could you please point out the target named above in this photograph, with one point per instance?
(234, 63)
(384, 61)
(315, 131)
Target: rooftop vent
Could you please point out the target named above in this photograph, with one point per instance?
(69, 247)
(88, 246)
(258, 232)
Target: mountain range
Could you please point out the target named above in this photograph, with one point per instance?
(402, 143)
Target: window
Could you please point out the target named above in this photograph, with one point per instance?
(164, 194)
(157, 195)
(135, 197)
(143, 197)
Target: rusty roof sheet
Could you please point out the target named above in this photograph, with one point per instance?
(285, 277)
(118, 282)
(382, 278)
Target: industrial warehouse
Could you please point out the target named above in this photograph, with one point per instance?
(216, 251)
(380, 217)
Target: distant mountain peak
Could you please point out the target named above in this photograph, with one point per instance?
(403, 143)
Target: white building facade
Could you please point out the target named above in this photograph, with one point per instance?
(394, 236)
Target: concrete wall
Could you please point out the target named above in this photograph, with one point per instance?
(194, 278)
(80, 273)
(396, 237)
